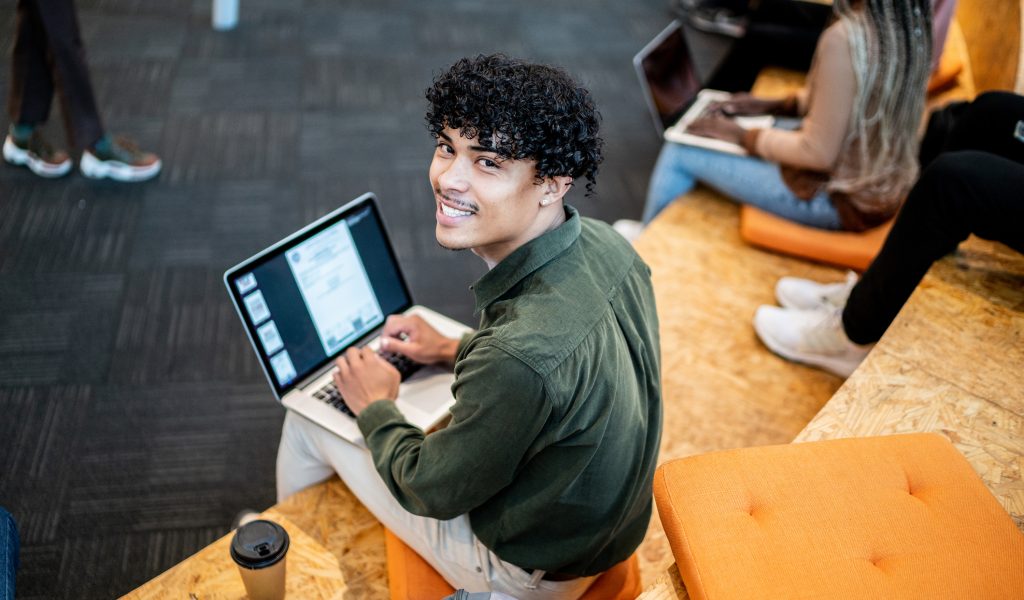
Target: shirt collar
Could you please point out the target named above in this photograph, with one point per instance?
(525, 260)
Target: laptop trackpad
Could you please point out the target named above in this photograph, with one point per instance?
(426, 396)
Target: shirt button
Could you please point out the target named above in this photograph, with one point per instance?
(479, 570)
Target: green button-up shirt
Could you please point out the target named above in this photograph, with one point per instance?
(557, 417)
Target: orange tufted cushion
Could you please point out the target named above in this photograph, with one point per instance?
(412, 578)
(886, 517)
(842, 248)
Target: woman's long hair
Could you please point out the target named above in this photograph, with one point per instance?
(890, 44)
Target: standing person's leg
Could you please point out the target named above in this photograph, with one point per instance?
(102, 156)
(309, 454)
(958, 194)
(31, 93)
(8, 554)
(81, 115)
(745, 179)
(30, 98)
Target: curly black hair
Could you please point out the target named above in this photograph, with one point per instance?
(520, 111)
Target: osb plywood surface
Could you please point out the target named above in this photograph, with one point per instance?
(211, 574)
(722, 389)
(332, 516)
(668, 586)
(992, 29)
(953, 363)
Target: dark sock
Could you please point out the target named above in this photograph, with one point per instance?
(102, 145)
(21, 132)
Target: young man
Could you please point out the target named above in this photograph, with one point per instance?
(542, 480)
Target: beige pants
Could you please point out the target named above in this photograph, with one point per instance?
(310, 454)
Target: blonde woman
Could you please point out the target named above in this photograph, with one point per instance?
(854, 156)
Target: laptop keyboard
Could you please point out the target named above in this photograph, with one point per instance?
(405, 365)
(330, 394)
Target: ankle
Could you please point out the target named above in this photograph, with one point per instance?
(102, 145)
(21, 132)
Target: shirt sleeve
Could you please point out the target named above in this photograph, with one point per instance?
(500, 408)
(833, 85)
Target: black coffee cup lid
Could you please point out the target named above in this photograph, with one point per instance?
(259, 544)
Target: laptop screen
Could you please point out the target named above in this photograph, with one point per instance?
(668, 75)
(311, 296)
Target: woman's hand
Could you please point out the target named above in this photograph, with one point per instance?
(717, 127)
(742, 103)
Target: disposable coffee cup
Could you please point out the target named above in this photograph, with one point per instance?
(259, 548)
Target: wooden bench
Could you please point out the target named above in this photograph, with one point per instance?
(722, 390)
(951, 364)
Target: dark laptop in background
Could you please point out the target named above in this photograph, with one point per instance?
(327, 287)
(673, 91)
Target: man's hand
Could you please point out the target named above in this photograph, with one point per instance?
(717, 127)
(744, 104)
(364, 377)
(415, 338)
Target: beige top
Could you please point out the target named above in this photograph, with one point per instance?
(825, 105)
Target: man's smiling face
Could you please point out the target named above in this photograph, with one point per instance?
(486, 203)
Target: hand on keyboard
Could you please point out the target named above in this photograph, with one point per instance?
(405, 365)
(330, 394)
(416, 339)
(363, 376)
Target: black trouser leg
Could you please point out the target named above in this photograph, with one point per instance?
(989, 124)
(69, 70)
(31, 93)
(960, 193)
(780, 33)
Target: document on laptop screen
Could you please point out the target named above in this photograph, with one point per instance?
(335, 287)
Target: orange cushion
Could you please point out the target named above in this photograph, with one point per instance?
(842, 248)
(412, 578)
(900, 516)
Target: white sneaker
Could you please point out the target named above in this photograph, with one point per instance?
(38, 155)
(628, 229)
(814, 337)
(794, 292)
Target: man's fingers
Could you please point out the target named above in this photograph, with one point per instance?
(383, 363)
(397, 325)
(397, 345)
(344, 371)
(354, 356)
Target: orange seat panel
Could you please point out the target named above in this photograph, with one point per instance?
(893, 517)
(854, 250)
(412, 578)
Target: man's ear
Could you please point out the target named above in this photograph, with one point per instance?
(554, 189)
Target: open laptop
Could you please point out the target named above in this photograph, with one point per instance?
(672, 89)
(327, 287)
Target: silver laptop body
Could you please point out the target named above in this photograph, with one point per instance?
(329, 286)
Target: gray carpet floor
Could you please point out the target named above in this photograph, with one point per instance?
(134, 420)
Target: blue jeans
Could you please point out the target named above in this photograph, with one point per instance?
(8, 554)
(743, 178)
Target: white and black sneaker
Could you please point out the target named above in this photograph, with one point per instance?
(38, 155)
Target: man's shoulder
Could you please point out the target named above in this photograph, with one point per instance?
(562, 303)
